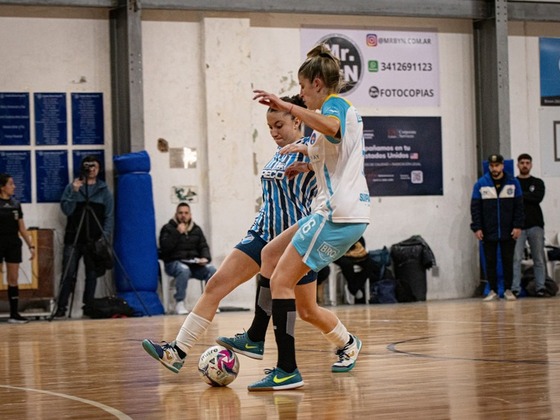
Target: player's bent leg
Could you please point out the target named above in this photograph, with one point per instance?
(236, 269)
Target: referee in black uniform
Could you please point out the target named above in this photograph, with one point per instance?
(11, 223)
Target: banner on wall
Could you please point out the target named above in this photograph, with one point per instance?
(549, 49)
(383, 67)
(403, 156)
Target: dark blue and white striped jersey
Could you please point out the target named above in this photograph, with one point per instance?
(284, 201)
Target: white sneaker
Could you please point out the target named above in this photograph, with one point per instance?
(508, 294)
(347, 356)
(180, 308)
(491, 296)
(166, 353)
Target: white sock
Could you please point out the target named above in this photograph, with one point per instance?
(191, 330)
(339, 336)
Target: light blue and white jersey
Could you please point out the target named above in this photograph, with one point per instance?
(284, 201)
(343, 195)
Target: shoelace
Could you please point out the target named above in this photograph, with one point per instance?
(167, 346)
(240, 335)
(268, 371)
(341, 355)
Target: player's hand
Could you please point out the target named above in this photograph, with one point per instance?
(271, 100)
(77, 184)
(515, 233)
(182, 228)
(479, 235)
(294, 148)
(296, 168)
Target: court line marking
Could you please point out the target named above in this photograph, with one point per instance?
(392, 347)
(118, 414)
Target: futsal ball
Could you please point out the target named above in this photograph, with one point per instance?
(218, 366)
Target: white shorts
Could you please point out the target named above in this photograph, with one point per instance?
(321, 242)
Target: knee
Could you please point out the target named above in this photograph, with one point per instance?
(181, 270)
(266, 254)
(216, 290)
(307, 314)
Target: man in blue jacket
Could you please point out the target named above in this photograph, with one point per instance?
(497, 220)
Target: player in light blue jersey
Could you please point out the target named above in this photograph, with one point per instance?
(336, 151)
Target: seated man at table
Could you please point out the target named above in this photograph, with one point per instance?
(185, 253)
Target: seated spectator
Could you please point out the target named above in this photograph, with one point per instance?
(356, 267)
(185, 253)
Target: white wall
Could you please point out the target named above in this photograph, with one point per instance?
(199, 70)
(274, 58)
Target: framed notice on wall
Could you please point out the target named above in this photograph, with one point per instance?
(549, 131)
(14, 119)
(51, 121)
(17, 163)
(87, 118)
(52, 174)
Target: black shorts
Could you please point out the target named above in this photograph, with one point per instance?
(10, 249)
(252, 245)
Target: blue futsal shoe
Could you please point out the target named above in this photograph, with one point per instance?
(277, 380)
(242, 344)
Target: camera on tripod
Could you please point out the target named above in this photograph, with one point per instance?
(87, 167)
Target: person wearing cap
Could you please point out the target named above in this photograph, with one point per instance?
(497, 219)
(533, 230)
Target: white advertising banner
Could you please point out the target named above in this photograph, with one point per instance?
(383, 67)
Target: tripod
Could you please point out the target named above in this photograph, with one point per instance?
(83, 246)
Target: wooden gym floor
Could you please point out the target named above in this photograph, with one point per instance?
(460, 359)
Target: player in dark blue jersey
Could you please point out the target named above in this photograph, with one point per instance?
(284, 202)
